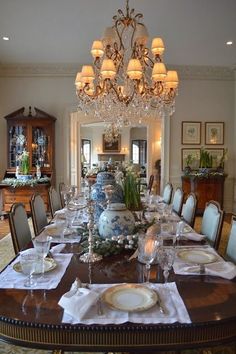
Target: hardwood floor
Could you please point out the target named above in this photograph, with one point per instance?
(4, 227)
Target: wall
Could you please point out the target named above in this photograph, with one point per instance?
(205, 94)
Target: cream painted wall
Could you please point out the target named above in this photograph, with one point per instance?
(206, 97)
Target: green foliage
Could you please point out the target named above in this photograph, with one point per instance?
(131, 189)
(205, 159)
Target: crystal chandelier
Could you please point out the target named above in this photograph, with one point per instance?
(112, 132)
(128, 81)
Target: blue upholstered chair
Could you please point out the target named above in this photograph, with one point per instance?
(178, 200)
(189, 209)
(231, 246)
(167, 193)
(212, 222)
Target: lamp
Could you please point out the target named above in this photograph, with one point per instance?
(128, 81)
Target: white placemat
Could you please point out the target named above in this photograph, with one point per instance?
(175, 310)
(10, 279)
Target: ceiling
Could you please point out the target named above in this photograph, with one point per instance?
(62, 31)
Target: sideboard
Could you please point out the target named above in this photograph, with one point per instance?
(205, 188)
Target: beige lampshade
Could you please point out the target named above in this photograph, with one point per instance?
(108, 70)
(109, 36)
(157, 46)
(158, 72)
(134, 69)
(172, 80)
(87, 74)
(141, 34)
(97, 49)
(78, 81)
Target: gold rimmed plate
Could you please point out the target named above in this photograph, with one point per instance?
(49, 265)
(130, 297)
(197, 256)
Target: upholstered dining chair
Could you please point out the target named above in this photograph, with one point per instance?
(230, 253)
(189, 209)
(39, 214)
(19, 227)
(178, 200)
(167, 193)
(150, 183)
(54, 201)
(212, 222)
(61, 188)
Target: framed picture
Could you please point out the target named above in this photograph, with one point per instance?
(214, 133)
(111, 147)
(216, 154)
(191, 133)
(190, 158)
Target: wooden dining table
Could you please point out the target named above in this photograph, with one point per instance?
(209, 300)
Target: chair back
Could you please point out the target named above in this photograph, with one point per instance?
(178, 200)
(167, 193)
(54, 201)
(61, 188)
(231, 245)
(39, 215)
(189, 209)
(19, 227)
(212, 222)
(150, 183)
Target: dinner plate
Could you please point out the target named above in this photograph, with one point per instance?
(130, 297)
(49, 264)
(197, 256)
(54, 230)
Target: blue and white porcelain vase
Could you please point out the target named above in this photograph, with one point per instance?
(116, 220)
(99, 196)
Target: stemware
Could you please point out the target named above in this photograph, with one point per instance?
(179, 232)
(166, 257)
(147, 251)
(29, 260)
(42, 246)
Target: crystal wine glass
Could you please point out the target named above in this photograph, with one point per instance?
(29, 261)
(166, 258)
(42, 246)
(147, 247)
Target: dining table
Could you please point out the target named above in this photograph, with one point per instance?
(33, 317)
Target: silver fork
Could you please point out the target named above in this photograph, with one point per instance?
(99, 307)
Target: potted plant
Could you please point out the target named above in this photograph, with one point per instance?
(206, 160)
(189, 160)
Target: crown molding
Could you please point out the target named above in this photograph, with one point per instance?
(69, 70)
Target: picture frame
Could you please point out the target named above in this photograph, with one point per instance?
(216, 154)
(111, 147)
(195, 153)
(191, 133)
(214, 133)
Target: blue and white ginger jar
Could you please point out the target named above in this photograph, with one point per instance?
(116, 220)
(99, 196)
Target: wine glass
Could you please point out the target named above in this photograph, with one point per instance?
(166, 257)
(147, 248)
(42, 246)
(29, 260)
(179, 232)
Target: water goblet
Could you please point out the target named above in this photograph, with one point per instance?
(179, 232)
(166, 257)
(147, 248)
(42, 246)
(29, 261)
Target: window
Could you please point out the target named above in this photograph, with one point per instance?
(139, 152)
(86, 152)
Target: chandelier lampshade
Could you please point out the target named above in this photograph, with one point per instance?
(128, 81)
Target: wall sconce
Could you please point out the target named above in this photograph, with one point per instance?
(124, 150)
(159, 141)
(98, 149)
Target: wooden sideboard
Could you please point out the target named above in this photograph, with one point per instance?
(205, 188)
(23, 195)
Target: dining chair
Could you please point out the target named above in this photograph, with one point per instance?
(19, 227)
(178, 200)
(54, 201)
(39, 214)
(212, 222)
(230, 253)
(61, 188)
(189, 209)
(150, 183)
(167, 193)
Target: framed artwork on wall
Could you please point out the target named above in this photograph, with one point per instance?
(217, 155)
(214, 133)
(111, 146)
(190, 158)
(191, 133)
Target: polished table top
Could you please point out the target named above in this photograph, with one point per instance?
(210, 302)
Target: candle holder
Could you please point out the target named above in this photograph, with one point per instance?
(90, 256)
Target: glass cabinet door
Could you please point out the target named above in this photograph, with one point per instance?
(17, 143)
(40, 147)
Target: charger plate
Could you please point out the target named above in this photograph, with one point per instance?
(197, 256)
(49, 264)
(130, 297)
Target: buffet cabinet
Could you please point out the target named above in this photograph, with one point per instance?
(206, 189)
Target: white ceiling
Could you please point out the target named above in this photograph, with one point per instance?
(62, 31)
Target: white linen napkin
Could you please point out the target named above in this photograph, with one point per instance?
(175, 310)
(57, 249)
(77, 301)
(194, 236)
(11, 279)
